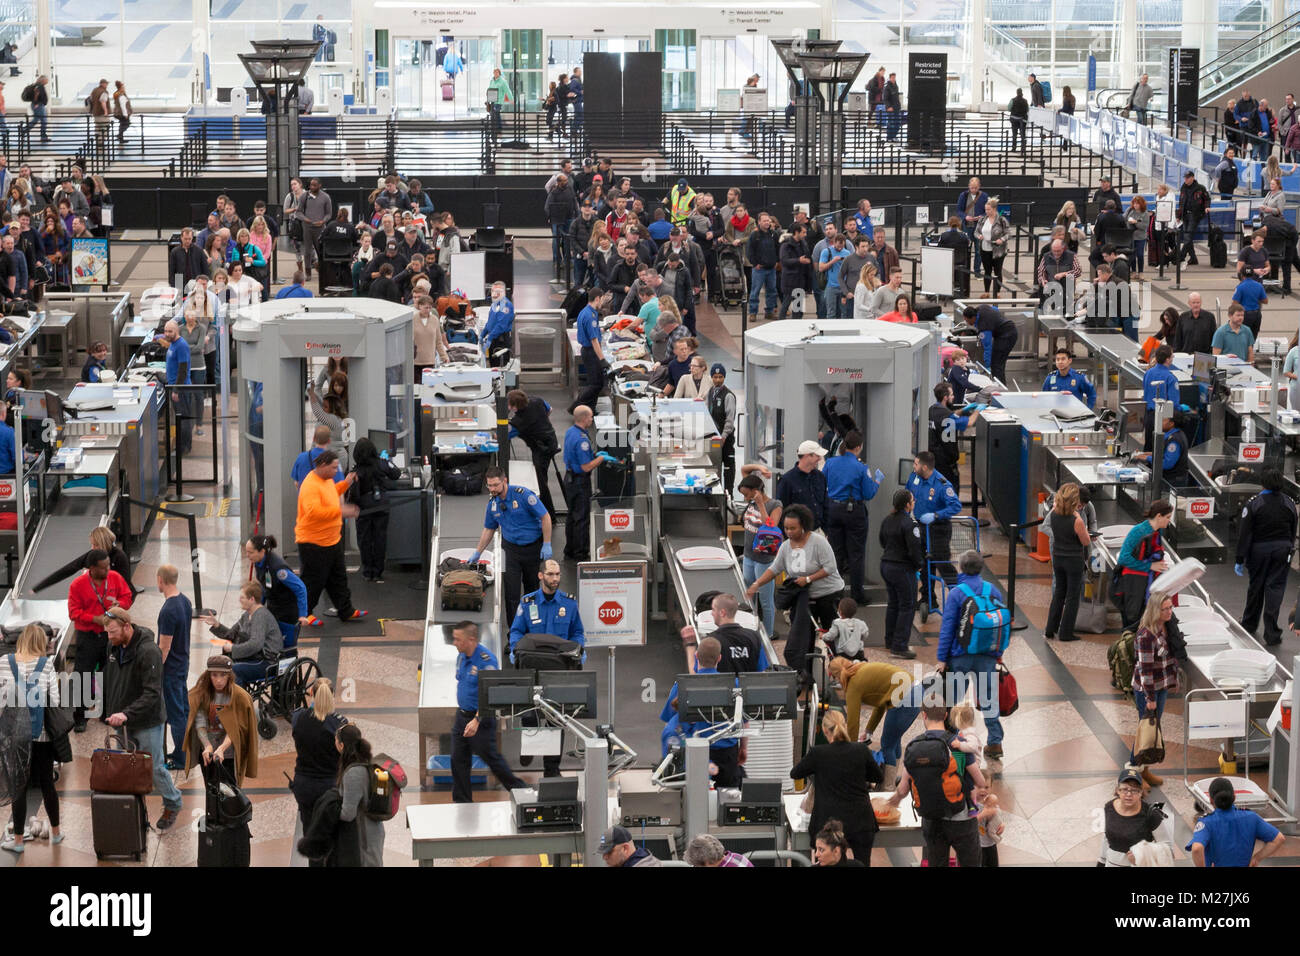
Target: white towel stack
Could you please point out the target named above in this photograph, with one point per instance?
(1240, 664)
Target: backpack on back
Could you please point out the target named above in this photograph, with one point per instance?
(29, 93)
(1120, 657)
(938, 784)
(35, 709)
(1047, 90)
(387, 778)
(984, 624)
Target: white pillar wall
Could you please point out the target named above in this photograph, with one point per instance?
(43, 45)
(978, 17)
(1128, 44)
(201, 16)
(1201, 28)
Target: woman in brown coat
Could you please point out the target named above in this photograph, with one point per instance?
(222, 728)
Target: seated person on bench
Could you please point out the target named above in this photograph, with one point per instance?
(255, 642)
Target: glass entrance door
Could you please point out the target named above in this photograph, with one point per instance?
(443, 77)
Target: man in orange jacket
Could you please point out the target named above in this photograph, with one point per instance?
(319, 534)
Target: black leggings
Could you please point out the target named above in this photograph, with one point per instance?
(805, 613)
(42, 771)
(992, 271)
(1067, 585)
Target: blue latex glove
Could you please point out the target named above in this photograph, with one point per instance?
(927, 518)
(473, 558)
(880, 757)
(606, 456)
(1240, 570)
(384, 454)
(546, 551)
(880, 477)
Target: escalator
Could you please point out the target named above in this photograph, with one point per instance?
(1267, 61)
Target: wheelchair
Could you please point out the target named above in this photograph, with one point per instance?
(282, 691)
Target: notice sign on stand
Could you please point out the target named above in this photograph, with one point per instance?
(612, 602)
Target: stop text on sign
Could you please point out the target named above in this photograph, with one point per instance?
(610, 613)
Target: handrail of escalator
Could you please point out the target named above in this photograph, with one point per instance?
(1251, 45)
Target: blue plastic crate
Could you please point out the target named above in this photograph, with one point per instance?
(440, 771)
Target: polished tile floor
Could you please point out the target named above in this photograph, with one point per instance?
(1063, 748)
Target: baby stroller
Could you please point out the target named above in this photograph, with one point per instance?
(731, 271)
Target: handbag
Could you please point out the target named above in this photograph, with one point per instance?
(121, 771)
(1008, 695)
(1149, 745)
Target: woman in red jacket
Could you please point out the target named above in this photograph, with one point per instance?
(90, 597)
(902, 311)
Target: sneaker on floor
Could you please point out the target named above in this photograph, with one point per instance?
(9, 844)
(356, 615)
(907, 655)
(166, 820)
(993, 751)
(376, 580)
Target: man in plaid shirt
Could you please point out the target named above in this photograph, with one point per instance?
(1155, 669)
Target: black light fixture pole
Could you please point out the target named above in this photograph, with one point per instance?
(275, 67)
(520, 141)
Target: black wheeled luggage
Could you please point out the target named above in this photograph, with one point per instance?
(118, 824)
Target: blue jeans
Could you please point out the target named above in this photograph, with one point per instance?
(978, 265)
(38, 116)
(985, 671)
(752, 571)
(246, 672)
(1140, 699)
(897, 720)
(177, 700)
(1139, 255)
(290, 634)
(151, 742)
(831, 303)
(766, 278)
(558, 232)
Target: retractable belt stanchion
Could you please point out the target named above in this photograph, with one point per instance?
(1011, 571)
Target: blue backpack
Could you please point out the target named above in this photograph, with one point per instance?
(984, 625)
(35, 712)
(767, 539)
(1047, 90)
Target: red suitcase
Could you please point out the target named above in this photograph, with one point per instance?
(448, 90)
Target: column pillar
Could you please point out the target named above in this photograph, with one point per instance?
(1201, 28)
(1127, 72)
(43, 41)
(200, 44)
(975, 37)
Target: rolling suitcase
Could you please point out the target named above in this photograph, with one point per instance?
(1218, 249)
(118, 824)
(448, 91)
(224, 844)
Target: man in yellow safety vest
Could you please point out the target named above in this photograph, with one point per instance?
(680, 198)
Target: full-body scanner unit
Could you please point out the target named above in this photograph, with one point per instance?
(281, 347)
(882, 375)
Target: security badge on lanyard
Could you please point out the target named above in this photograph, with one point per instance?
(534, 613)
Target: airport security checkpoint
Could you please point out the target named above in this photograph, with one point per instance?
(523, 537)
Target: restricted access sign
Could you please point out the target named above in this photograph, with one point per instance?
(1250, 453)
(619, 519)
(612, 602)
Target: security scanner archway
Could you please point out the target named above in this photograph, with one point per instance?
(880, 375)
(282, 347)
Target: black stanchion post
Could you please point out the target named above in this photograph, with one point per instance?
(191, 521)
(179, 494)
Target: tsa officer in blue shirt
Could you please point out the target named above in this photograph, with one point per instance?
(178, 373)
(727, 756)
(593, 352)
(1159, 383)
(8, 444)
(936, 502)
(548, 610)
(525, 533)
(500, 323)
(1066, 379)
(472, 734)
(579, 462)
(1227, 835)
(849, 486)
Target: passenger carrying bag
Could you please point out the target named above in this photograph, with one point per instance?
(984, 624)
(120, 771)
(387, 778)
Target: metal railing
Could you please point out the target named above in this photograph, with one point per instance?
(1008, 48)
(1268, 44)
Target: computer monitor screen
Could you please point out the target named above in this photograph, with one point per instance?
(770, 694)
(54, 407)
(383, 440)
(491, 214)
(33, 404)
(705, 697)
(573, 692)
(1203, 366)
(505, 691)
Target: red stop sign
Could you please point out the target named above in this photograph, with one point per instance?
(610, 613)
(1251, 452)
(1200, 508)
(6, 489)
(619, 519)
